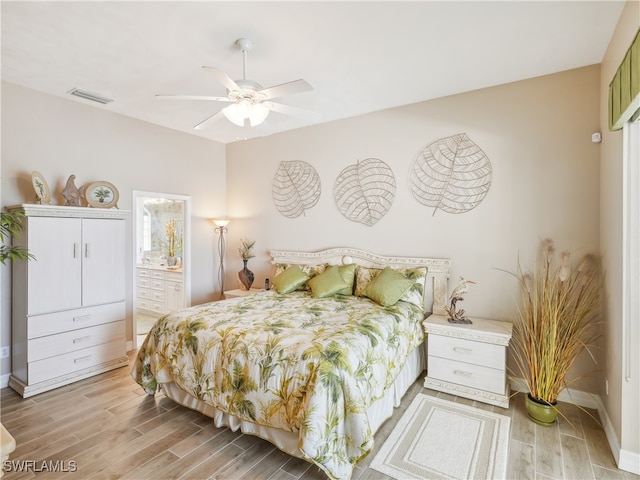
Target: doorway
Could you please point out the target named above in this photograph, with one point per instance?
(162, 233)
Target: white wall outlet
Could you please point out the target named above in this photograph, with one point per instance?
(5, 352)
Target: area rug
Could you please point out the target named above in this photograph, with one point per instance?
(437, 439)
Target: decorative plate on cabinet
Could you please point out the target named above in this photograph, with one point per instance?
(43, 195)
(102, 195)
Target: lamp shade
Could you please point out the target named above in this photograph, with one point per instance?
(221, 222)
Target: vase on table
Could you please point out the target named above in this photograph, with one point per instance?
(172, 261)
(245, 276)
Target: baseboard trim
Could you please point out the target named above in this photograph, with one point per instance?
(629, 461)
(626, 460)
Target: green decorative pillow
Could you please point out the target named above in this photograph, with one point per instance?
(415, 294)
(328, 283)
(290, 279)
(348, 273)
(388, 287)
(311, 270)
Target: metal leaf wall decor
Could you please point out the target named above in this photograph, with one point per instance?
(451, 174)
(295, 188)
(364, 192)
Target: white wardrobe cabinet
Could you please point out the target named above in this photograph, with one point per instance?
(68, 307)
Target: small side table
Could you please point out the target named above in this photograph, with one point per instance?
(241, 293)
(468, 360)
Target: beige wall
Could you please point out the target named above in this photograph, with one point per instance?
(60, 137)
(624, 396)
(537, 134)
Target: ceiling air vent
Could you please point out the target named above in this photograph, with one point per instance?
(94, 97)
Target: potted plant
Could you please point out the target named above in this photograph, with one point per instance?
(558, 320)
(170, 232)
(11, 225)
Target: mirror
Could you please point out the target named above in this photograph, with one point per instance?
(162, 233)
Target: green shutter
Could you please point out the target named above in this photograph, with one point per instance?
(624, 90)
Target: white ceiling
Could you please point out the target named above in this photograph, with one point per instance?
(358, 56)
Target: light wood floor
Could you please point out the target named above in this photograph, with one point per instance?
(106, 427)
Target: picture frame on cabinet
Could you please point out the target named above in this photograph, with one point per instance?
(41, 187)
(101, 195)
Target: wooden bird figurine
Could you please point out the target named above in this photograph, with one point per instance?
(71, 193)
(458, 316)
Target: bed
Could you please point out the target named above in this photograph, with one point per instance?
(316, 364)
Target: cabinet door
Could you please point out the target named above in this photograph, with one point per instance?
(103, 257)
(173, 296)
(55, 277)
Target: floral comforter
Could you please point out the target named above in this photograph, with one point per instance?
(291, 361)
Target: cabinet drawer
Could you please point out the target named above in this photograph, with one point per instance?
(469, 351)
(52, 323)
(143, 282)
(155, 295)
(51, 345)
(475, 376)
(157, 274)
(150, 305)
(157, 284)
(144, 292)
(49, 368)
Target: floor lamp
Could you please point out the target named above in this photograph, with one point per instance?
(221, 230)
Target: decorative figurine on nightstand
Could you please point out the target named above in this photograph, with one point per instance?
(458, 316)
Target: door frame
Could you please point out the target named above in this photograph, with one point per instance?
(186, 249)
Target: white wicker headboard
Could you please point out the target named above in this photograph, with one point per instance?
(437, 268)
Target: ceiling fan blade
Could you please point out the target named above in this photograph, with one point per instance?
(193, 97)
(294, 111)
(289, 88)
(209, 120)
(223, 78)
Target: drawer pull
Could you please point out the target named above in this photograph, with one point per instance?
(82, 359)
(466, 351)
(82, 318)
(81, 339)
(462, 373)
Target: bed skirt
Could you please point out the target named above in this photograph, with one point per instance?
(286, 441)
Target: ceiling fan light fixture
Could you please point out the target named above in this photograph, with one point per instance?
(234, 114)
(237, 113)
(259, 113)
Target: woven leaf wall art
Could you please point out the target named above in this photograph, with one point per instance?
(295, 188)
(364, 192)
(451, 174)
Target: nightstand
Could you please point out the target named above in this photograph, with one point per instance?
(241, 293)
(468, 360)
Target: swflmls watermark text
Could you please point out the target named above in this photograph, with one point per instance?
(38, 466)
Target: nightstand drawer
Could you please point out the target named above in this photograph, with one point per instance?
(468, 351)
(474, 376)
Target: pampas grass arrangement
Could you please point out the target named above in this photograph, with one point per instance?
(558, 320)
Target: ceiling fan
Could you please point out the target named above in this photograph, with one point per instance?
(250, 102)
